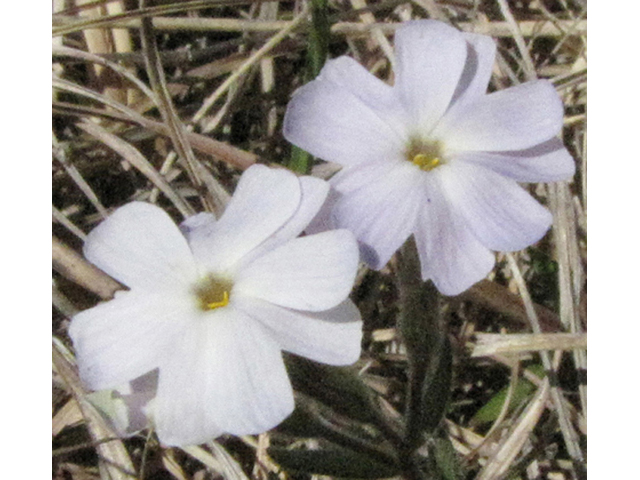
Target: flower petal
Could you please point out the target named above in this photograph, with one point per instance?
(430, 58)
(309, 273)
(119, 340)
(225, 376)
(344, 182)
(202, 220)
(264, 200)
(332, 337)
(140, 246)
(547, 162)
(330, 122)
(349, 180)
(347, 73)
(517, 118)
(501, 214)
(478, 68)
(449, 253)
(382, 213)
(475, 77)
(314, 193)
(323, 221)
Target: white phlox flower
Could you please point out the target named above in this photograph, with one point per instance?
(210, 308)
(433, 155)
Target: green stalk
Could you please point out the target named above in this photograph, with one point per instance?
(429, 356)
(318, 39)
(319, 33)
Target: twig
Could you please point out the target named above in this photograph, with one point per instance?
(111, 20)
(68, 224)
(219, 150)
(253, 59)
(72, 266)
(60, 154)
(176, 129)
(528, 28)
(568, 432)
(500, 461)
(137, 160)
(492, 343)
(102, 60)
(570, 273)
(367, 18)
(529, 67)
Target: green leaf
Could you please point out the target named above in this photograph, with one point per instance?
(337, 387)
(447, 460)
(523, 390)
(311, 418)
(303, 422)
(338, 462)
(490, 411)
(436, 389)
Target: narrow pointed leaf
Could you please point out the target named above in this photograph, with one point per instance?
(436, 390)
(313, 419)
(523, 390)
(337, 387)
(447, 461)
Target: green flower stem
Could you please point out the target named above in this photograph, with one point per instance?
(299, 161)
(318, 39)
(319, 33)
(428, 353)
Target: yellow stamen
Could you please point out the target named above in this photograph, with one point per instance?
(426, 162)
(425, 154)
(213, 292)
(223, 303)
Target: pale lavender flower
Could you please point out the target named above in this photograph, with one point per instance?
(210, 308)
(433, 155)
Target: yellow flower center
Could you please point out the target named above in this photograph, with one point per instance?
(425, 162)
(426, 155)
(213, 292)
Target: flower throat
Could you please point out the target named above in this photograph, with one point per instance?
(426, 155)
(213, 293)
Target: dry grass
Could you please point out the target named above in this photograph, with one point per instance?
(169, 102)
